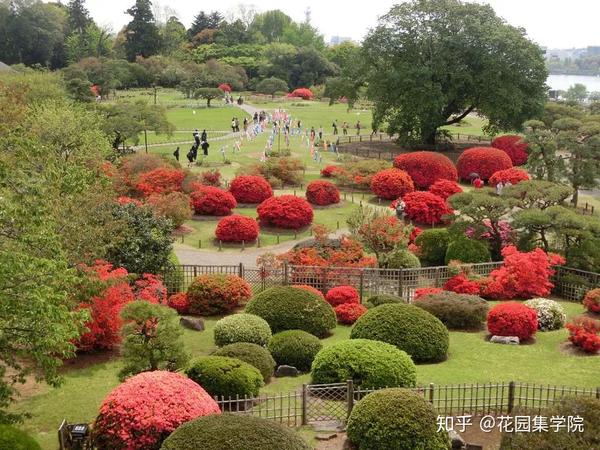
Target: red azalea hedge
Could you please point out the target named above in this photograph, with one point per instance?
(285, 211)
(445, 188)
(329, 171)
(390, 184)
(512, 319)
(585, 334)
(462, 285)
(160, 181)
(237, 229)
(425, 168)
(141, 412)
(303, 93)
(514, 146)
(212, 201)
(348, 313)
(217, 293)
(425, 208)
(513, 175)
(322, 193)
(250, 189)
(592, 301)
(484, 161)
(310, 289)
(421, 292)
(179, 302)
(342, 294)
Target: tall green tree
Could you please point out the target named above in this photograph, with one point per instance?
(205, 21)
(78, 16)
(270, 25)
(143, 38)
(173, 36)
(577, 93)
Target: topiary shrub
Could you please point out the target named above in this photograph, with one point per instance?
(179, 302)
(370, 364)
(467, 251)
(253, 354)
(12, 438)
(288, 308)
(433, 245)
(234, 432)
(484, 161)
(139, 414)
(383, 299)
(310, 289)
(212, 201)
(445, 188)
(225, 377)
(342, 294)
(348, 313)
(591, 301)
(237, 229)
(425, 207)
(514, 146)
(514, 175)
(250, 189)
(400, 258)
(456, 311)
(425, 168)
(295, 348)
(420, 334)
(285, 211)
(390, 184)
(217, 293)
(395, 419)
(512, 319)
(242, 328)
(550, 315)
(322, 193)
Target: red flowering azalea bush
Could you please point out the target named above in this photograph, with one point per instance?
(484, 161)
(512, 319)
(212, 201)
(592, 301)
(389, 184)
(140, 413)
(421, 292)
(445, 188)
(585, 334)
(514, 146)
(250, 189)
(425, 168)
(425, 207)
(150, 288)
(303, 93)
(461, 284)
(217, 293)
(237, 229)
(160, 181)
(513, 175)
(285, 211)
(210, 178)
(322, 193)
(310, 289)
(342, 294)
(225, 87)
(179, 302)
(329, 171)
(124, 200)
(348, 313)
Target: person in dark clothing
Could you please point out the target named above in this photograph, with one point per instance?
(176, 154)
(335, 127)
(196, 137)
(195, 151)
(255, 118)
(190, 156)
(205, 146)
(312, 133)
(203, 137)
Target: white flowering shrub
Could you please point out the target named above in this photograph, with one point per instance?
(551, 316)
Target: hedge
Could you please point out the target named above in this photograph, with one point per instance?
(420, 334)
(468, 251)
(253, 354)
(295, 348)
(288, 308)
(433, 244)
(242, 328)
(217, 293)
(456, 311)
(12, 438)
(370, 364)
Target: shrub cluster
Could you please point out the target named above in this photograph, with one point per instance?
(425, 208)
(179, 302)
(217, 293)
(425, 168)
(390, 184)
(584, 333)
(445, 188)
(237, 228)
(288, 308)
(456, 311)
(162, 180)
(285, 211)
(369, 363)
(242, 327)
(250, 189)
(550, 315)
(227, 377)
(514, 146)
(348, 313)
(591, 301)
(512, 319)
(420, 334)
(329, 171)
(468, 251)
(174, 206)
(514, 175)
(399, 258)
(295, 348)
(303, 93)
(253, 354)
(322, 193)
(484, 161)
(359, 174)
(342, 294)
(461, 284)
(212, 201)
(382, 299)
(432, 245)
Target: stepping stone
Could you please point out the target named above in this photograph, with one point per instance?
(192, 323)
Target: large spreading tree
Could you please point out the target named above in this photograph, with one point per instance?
(429, 63)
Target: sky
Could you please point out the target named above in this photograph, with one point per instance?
(551, 23)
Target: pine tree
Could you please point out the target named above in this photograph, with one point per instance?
(79, 16)
(143, 38)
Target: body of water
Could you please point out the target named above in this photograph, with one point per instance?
(564, 82)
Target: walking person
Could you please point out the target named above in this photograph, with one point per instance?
(358, 126)
(233, 125)
(205, 146)
(190, 156)
(203, 137)
(245, 124)
(176, 154)
(196, 137)
(335, 127)
(345, 128)
(195, 152)
(312, 133)
(321, 133)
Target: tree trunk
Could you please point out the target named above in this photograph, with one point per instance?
(575, 196)
(428, 136)
(208, 102)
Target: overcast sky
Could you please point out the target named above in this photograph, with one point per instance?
(551, 23)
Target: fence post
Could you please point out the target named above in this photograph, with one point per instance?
(431, 388)
(400, 276)
(304, 405)
(598, 393)
(241, 270)
(511, 396)
(362, 279)
(349, 397)
(285, 274)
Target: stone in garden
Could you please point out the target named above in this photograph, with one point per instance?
(192, 323)
(512, 340)
(325, 437)
(287, 371)
(457, 442)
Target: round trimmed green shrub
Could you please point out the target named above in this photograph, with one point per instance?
(468, 251)
(433, 244)
(412, 329)
(12, 438)
(295, 348)
(551, 315)
(400, 259)
(382, 299)
(456, 311)
(288, 308)
(370, 364)
(242, 328)
(395, 419)
(253, 354)
(223, 376)
(233, 432)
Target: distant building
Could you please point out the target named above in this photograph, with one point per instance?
(337, 40)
